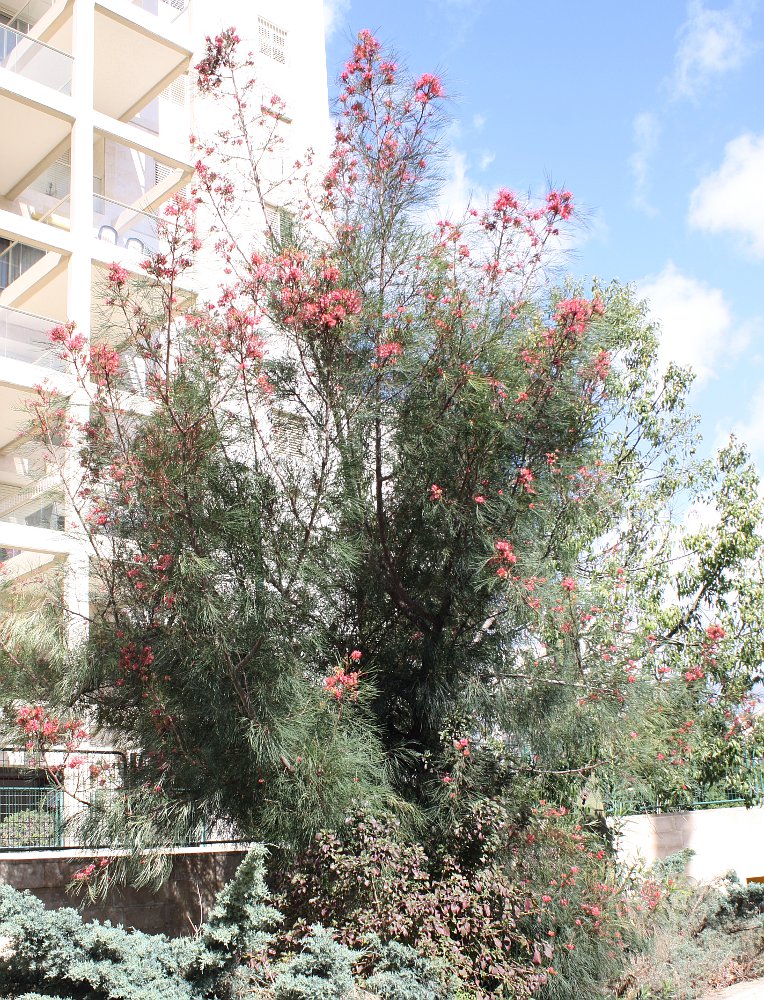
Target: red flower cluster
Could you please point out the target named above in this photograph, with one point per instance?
(506, 557)
(426, 88)
(340, 683)
(573, 315)
(307, 299)
(47, 730)
(390, 351)
(219, 55)
(104, 363)
(71, 342)
(136, 662)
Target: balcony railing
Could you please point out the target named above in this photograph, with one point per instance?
(35, 60)
(25, 337)
(15, 258)
(126, 226)
(25, 18)
(35, 506)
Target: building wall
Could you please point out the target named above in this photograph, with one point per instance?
(729, 839)
(94, 126)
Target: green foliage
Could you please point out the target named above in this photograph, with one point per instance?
(398, 526)
(401, 974)
(53, 953)
(510, 905)
(696, 937)
(322, 970)
(56, 951)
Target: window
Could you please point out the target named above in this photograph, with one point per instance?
(176, 92)
(281, 224)
(272, 40)
(15, 258)
(289, 435)
(161, 172)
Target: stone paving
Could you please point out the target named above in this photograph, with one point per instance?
(753, 990)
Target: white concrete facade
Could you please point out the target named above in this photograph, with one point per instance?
(95, 113)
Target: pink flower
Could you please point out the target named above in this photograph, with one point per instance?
(524, 479)
(390, 351)
(479, 499)
(117, 275)
(427, 87)
(436, 492)
(355, 656)
(714, 633)
(569, 584)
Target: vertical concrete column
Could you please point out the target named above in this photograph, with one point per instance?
(76, 579)
(76, 596)
(83, 43)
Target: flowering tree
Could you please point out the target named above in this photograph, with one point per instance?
(396, 523)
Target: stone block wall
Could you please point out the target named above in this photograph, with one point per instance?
(177, 908)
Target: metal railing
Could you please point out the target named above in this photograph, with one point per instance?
(35, 60)
(26, 337)
(15, 259)
(629, 802)
(126, 225)
(49, 813)
(50, 818)
(31, 817)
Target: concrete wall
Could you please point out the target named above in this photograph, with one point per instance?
(729, 839)
(176, 908)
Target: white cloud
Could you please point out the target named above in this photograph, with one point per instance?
(478, 122)
(697, 328)
(487, 159)
(730, 200)
(459, 191)
(751, 429)
(711, 43)
(334, 11)
(645, 131)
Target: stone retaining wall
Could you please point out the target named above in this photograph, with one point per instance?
(726, 839)
(178, 907)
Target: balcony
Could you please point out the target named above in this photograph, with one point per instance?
(35, 60)
(136, 58)
(35, 109)
(166, 10)
(36, 506)
(26, 337)
(126, 226)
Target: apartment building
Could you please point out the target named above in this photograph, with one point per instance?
(95, 112)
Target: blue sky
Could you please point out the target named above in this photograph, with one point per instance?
(652, 113)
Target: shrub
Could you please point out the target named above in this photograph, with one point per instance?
(401, 974)
(322, 971)
(699, 938)
(510, 905)
(54, 954)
